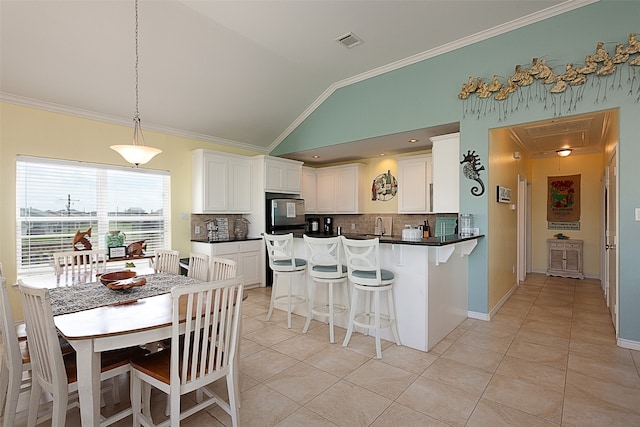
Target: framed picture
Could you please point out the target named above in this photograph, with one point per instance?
(504, 194)
(117, 252)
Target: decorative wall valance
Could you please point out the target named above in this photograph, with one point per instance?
(560, 91)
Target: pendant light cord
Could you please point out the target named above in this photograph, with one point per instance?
(137, 114)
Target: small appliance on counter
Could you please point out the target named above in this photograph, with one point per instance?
(314, 225)
(328, 225)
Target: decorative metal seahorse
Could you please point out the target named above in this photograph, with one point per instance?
(471, 170)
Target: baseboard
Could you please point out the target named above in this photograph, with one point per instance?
(478, 315)
(631, 345)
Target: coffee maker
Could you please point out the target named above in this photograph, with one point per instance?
(328, 225)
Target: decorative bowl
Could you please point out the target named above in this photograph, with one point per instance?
(124, 279)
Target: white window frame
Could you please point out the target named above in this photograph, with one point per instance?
(99, 222)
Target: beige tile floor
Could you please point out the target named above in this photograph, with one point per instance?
(547, 358)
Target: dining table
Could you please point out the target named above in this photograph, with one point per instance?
(94, 318)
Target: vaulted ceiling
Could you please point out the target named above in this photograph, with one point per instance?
(232, 72)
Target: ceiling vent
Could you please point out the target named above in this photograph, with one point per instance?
(349, 40)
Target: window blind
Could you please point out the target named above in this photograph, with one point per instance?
(55, 199)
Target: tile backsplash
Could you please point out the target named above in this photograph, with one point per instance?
(365, 223)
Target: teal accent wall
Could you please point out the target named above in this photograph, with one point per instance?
(425, 94)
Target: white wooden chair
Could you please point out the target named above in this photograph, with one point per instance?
(211, 311)
(81, 266)
(198, 266)
(223, 269)
(15, 361)
(325, 266)
(283, 262)
(53, 372)
(363, 269)
(166, 261)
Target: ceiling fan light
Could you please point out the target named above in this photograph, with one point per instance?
(564, 152)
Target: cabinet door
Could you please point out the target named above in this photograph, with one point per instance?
(292, 178)
(346, 190)
(239, 186)
(274, 176)
(215, 184)
(249, 267)
(309, 189)
(556, 258)
(414, 179)
(446, 173)
(326, 189)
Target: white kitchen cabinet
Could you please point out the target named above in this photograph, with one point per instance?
(282, 175)
(248, 254)
(309, 189)
(565, 258)
(414, 184)
(341, 189)
(221, 183)
(446, 173)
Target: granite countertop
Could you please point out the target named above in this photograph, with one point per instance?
(397, 240)
(226, 241)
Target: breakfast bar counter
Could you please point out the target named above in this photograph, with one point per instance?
(430, 289)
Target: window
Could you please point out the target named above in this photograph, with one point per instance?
(55, 199)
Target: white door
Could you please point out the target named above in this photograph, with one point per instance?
(612, 238)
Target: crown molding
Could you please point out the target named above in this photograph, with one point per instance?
(549, 12)
(86, 114)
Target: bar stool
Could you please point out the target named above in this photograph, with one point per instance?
(325, 266)
(363, 268)
(284, 264)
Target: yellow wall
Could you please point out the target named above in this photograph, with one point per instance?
(502, 221)
(589, 166)
(39, 133)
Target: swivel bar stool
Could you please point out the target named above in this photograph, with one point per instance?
(363, 268)
(285, 266)
(326, 267)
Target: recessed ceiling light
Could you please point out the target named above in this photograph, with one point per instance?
(413, 140)
(315, 156)
(382, 154)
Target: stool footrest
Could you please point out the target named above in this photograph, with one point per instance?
(367, 320)
(295, 299)
(323, 310)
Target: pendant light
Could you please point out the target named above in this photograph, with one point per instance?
(136, 153)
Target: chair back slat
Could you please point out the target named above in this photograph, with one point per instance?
(80, 266)
(198, 267)
(223, 269)
(44, 346)
(209, 318)
(10, 347)
(166, 261)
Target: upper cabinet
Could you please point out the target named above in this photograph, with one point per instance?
(309, 190)
(282, 175)
(341, 189)
(446, 173)
(414, 184)
(221, 183)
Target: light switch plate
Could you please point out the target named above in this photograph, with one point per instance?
(637, 214)
(184, 215)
